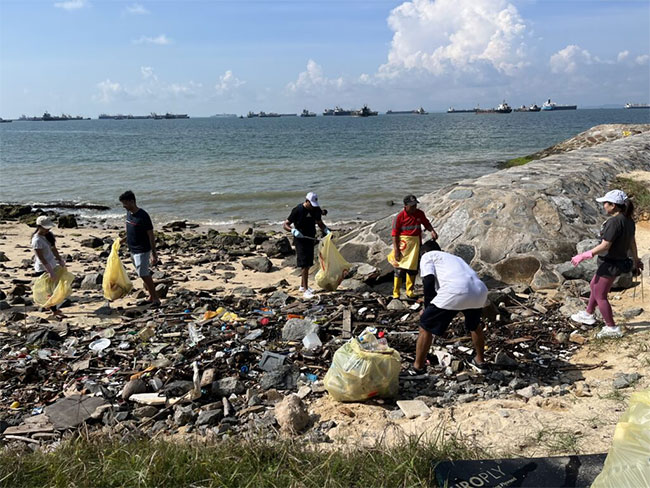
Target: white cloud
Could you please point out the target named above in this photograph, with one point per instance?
(108, 91)
(312, 80)
(147, 73)
(161, 40)
(227, 82)
(622, 56)
(137, 9)
(448, 36)
(643, 59)
(71, 4)
(569, 59)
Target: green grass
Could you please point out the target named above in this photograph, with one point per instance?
(638, 191)
(231, 463)
(511, 163)
(558, 441)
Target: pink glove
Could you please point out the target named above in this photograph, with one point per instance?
(576, 260)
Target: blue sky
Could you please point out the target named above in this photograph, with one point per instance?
(204, 57)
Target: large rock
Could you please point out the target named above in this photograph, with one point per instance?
(277, 248)
(260, 263)
(67, 222)
(92, 281)
(514, 225)
(291, 414)
(297, 329)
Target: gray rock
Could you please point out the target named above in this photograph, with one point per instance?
(93, 242)
(276, 248)
(209, 418)
(67, 222)
(528, 392)
(364, 272)
(132, 387)
(277, 299)
(396, 414)
(4, 305)
(297, 329)
(460, 194)
(284, 377)
(183, 414)
(630, 313)
(291, 414)
(227, 386)
(144, 412)
(3, 257)
(92, 281)
(625, 380)
(260, 263)
(517, 383)
(502, 359)
(396, 304)
(354, 285)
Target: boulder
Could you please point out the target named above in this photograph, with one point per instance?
(3, 257)
(354, 285)
(93, 242)
(227, 386)
(67, 222)
(92, 281)
(291, 414)
(515, 222)
(260, 263)
(277, 248)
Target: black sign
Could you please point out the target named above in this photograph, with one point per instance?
(562, 471)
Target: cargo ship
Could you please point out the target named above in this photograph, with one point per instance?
(548, 105)
(419, 111)
(452, 110)
(307, 113)
(532, 108)
(503, 108)
(636, 105)
(124, 117)
(364, 112)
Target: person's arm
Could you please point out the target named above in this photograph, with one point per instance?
(323, 227)
(638, 264)
(152, 242)
(429, 227)
(287, 226)
(395, 236)
(599, 249)
(58, 257)
(48, 267)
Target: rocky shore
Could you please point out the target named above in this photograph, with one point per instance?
(224, 355)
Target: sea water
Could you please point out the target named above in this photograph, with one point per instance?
(229, 170)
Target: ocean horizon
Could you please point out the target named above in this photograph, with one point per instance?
(227, 171)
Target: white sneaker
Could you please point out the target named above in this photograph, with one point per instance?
(301, 289)
(608, 331)
(309, 293)
(583, 318)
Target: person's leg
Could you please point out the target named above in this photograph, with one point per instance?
(425, 338)
(397, 281)
(141, 262)
(473, 325)
(304, 278)
(591, 305)
(410, 283)
(602, 286)
(151, 288)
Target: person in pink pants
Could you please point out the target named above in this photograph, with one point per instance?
(617, 253)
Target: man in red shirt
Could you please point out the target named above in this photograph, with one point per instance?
(407, 237)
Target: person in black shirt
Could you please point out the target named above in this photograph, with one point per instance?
(304, 218)
(617, 253)
(141, 242)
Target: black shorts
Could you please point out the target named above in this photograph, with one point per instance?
(436, 320)
(304, 252)
(610, 268)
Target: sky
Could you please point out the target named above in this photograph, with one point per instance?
(205, 57)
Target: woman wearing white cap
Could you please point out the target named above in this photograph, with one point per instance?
(617, 246)
(46, 256)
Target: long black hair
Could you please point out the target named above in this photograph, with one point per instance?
(627, 208)
(49, 236)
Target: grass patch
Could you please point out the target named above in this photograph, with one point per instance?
(231, 463)
(614, 395)
(558, 441)
(639, 191)
(511, 163)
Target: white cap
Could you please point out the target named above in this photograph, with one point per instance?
(616, 197)
(44, 222)
(313, 199)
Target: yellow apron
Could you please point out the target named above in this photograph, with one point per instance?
(410, 248)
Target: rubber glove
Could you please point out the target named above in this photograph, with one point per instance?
(326, 231)
(576, 260)
(297, 233)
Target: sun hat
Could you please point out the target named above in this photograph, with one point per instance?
(616, 197)
(44, 222)
(313, 199)
(411, 200)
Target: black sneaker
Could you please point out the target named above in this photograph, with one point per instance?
(480, 368)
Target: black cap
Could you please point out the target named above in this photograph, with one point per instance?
(410, 200)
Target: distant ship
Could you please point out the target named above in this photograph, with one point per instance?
(176, 116)
(126, 117)
(364, 112)
(223, 115)
(419, 111)
(548, 105)
(503, 108)
(452, 110)
(50, 118)
(328, 111)
(4, 121)
(288, 115)
(339, 111)
(533, 108)
(263, 115)
(307, 113)
(637, 105)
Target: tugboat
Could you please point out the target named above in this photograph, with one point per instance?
(503, 108)
(548, 105)
(307, 113)
(365, 112)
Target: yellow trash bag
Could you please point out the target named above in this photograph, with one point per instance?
(333, 267)
(48, 293)
(628, 461)
(357, 374)
(116, 282)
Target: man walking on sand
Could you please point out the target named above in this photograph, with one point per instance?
(407, 238)
(304, 218)
(141, 242)
(450, 286)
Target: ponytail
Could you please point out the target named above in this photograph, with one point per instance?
(628, 208)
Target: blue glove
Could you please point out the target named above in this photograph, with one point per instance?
(297, 233)
(326, 231)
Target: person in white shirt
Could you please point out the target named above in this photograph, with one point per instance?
(450, 286)
(46, 256)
